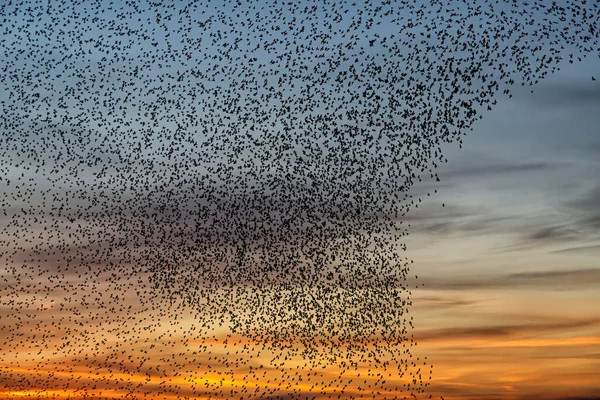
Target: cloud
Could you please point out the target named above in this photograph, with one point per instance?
(528, 232)
(587, 208)
(551, 279)
(583, 273)
(469, 225)
(496, 331)
(485, 169)
(582, 249)
(587, 202)
(552, 234)
(580, 398)
(438, 302)
(568, 94)
(453, 218)
(535, 235)
(579, 224)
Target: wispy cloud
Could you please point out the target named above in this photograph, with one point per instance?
(567, 94)
(580, 398)
(438, 302)
(551, 279)
(535, 235)
(484, 169)
(581, 249)
(583, 273)
(505, 331)
(587, 208)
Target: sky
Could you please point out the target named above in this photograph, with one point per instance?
(505, 298)
(509, 309)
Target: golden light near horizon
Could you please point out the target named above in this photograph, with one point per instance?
(299, 200)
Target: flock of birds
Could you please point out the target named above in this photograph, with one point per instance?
(205, 199)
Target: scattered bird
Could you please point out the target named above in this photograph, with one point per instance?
(205, 198)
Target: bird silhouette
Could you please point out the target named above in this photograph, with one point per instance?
(204, 199)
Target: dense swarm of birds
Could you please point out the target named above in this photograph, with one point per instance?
(206, 198)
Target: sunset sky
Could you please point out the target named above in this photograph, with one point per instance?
(505, 284)
(510, 307)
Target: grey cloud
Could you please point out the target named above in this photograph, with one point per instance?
(505, 330)
(441, 228)
(593, 221)
(528, 233)
(584, 273)
(469, 225)
(567, 94)
(456, 333)
(590, 201)
(429, 213)
(468, 220)
(486, 170)
(581, 249)
(562, 279)
(551, 233)
(594, 148)
(441, 302)
(587, 208)
(536, 235)
(580, 225)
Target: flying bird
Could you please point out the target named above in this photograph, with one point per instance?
(205, 199)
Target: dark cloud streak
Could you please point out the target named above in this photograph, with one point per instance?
(506, 330)
(550, 280)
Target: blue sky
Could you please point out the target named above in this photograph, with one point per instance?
(510, 264)
(510, 261)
